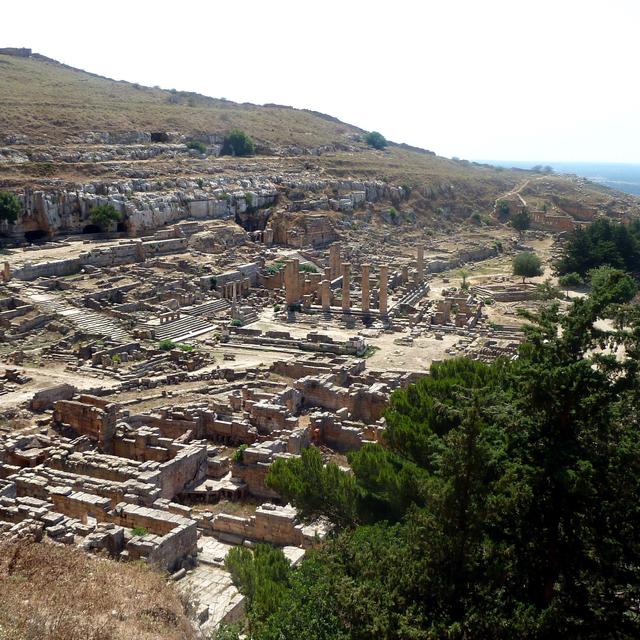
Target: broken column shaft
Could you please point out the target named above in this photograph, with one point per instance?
(384, 276)
(420, 265)
(346, 282)
(365, 288)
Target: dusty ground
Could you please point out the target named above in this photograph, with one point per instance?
(49, 376)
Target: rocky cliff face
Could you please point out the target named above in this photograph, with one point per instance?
(147, 205)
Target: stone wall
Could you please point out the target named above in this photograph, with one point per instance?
(46, 398)
(86, 417)
(271, 524)
(361, 402)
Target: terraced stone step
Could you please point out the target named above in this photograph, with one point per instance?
(182, 329)
(209, 308)
(86, 320)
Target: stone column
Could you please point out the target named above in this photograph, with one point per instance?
(346, 281)
(420, 265)
(405, 274)
(384, 276)
(325, 295)
(298, 283)
(334, 260)
(365, 288)
(291, 282)
(6, 272)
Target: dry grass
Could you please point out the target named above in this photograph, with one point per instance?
(51, 101)
(49, 592)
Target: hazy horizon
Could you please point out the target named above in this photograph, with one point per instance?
(469, 81)
(617, 175)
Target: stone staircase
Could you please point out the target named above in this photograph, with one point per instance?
(183, 328)
(209, 308)
(86, 320)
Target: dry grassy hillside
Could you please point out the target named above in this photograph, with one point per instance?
(41, 98)
(49, 592)
(46, 107)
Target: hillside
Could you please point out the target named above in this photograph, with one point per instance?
(48, 102)
(51, 592)
(61, 127)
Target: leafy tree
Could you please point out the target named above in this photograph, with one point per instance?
(261, 575)
(601, 243)
(316, 488)
(527, 265)
(376, 140)
(612, 285)
(9, 207)
(238, 143)
(502, 210)
(547, 290)
(464, 274)
(519, 520)
(569, 280)
(521, 220)
(104, 215)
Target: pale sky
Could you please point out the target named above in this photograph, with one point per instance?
(478, 79)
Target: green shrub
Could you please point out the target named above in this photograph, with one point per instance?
(276, 307)
(188, 348)
(502, 210)
(376, 140)
(307, 267)
(116, 358)
(197, 145)
(236, 323)
(139, 531)
(104, 215)
(166, 344)
(521, 220)
(9, 207)
(238, 143)
(278, 265)
(237, 455)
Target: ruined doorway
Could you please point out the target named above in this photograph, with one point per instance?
(92, 228)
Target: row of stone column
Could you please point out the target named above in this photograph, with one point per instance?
(325, 289)
(294, 287)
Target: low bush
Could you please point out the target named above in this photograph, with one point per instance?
(197, 146)
(376, 140)
(238, 143)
